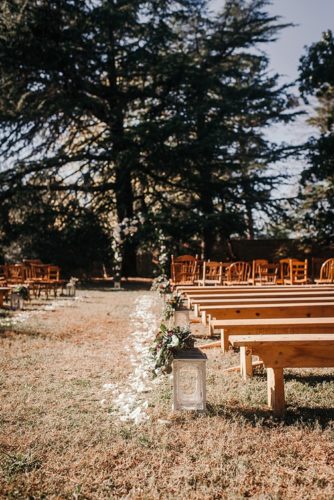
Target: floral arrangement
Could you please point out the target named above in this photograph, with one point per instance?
(163, 255)
(161, 284)
(173, 303)
(166, 342)
(123, 231)
(22, 290)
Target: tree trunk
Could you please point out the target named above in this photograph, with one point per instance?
(123, 160)
(124, 207)
(207, 208)
(250, 222)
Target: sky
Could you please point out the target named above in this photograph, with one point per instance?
(311, 18)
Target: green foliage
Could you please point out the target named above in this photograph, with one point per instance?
(127, 107)
(317, 183)
(173, 303)
(167, 342)
(22, 290)
(161, 284)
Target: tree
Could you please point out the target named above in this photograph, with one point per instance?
(153, 107)
(316, 80)
(78, 79)
(216, 158)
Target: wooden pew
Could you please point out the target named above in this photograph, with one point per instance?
(192, 290)
(201, 304)
(277, 310)
(270, 326)
(255, 291)
(287, 351)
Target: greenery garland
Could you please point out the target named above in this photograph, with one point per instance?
(161, 284)
(171, 305)
(167, 342)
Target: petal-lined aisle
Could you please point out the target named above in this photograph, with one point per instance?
(130, 400)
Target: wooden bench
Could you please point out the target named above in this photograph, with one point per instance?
(270, 326)
(287, 351)
(261, 293)
(255, 292)
(192, 290)
(277, 310)
(201, 304)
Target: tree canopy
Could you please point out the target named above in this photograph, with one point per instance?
(316, 217)
(146, 111)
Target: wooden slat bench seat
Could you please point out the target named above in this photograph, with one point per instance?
(268, 326)
(193, 290)
(256, 300)
(287, 351)
(257, 292)
(277, 310)
(262, 293)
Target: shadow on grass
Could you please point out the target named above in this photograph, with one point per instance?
(15, 330)
(311, 380)
(260, 417)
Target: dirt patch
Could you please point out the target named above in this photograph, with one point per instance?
(59, 441)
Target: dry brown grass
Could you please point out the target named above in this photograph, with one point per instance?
(57, 440)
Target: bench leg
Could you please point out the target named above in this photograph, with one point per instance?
(196, 311)
(246, 367)
(276, 398)
(204, 317)
(224, 340)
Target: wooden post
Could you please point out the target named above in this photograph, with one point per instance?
(276, 398)
(246, 367)
(224, 340)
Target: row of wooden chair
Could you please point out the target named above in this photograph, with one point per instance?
(189, 270)
(33, 274)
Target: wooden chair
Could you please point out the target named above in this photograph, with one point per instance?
(238, 273)
(212, 274)
(14, 274)
(183, 270)
(326, 272)
(298, 272)
(258, 265)
(53, 279)
(2, 274)
(283, 271)
(268, 274)
(38, 274)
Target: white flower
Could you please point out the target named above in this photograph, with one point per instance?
(175, 341)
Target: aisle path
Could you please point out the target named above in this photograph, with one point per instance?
(129, 400)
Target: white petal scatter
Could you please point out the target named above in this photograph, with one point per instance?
(13, 318)
(130, 401)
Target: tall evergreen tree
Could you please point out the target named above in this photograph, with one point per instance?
(152, 106)
(216, 124)
(78, 80)
(316, 216)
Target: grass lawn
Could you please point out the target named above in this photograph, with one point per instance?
(61, 435)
